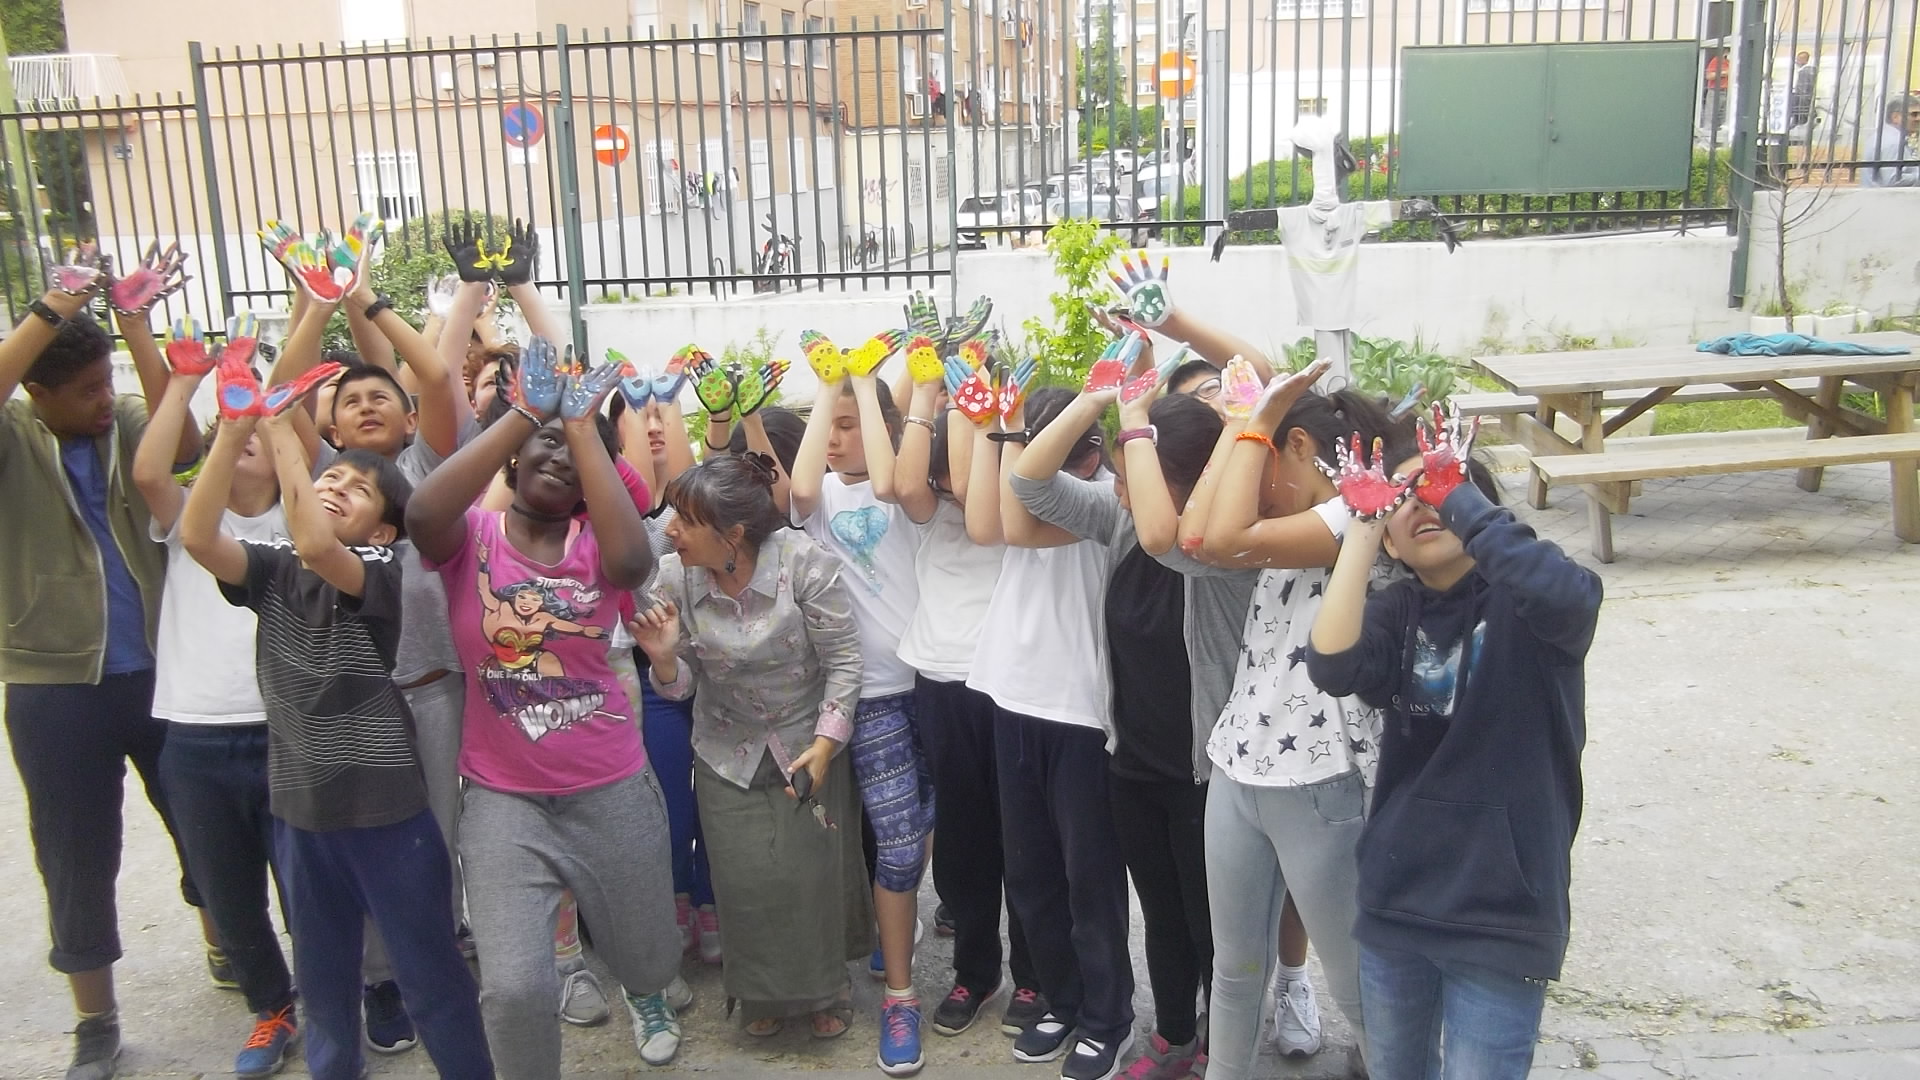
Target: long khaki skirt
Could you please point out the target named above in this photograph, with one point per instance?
(793, 896)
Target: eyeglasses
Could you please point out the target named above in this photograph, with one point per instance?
(1208, 390)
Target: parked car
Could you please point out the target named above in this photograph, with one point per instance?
(1012, 207)
(1158, 192)
(1106, 207)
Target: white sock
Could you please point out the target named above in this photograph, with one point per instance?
(901, 995)
(1286, 973)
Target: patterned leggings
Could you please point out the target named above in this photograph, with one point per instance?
(896, 788)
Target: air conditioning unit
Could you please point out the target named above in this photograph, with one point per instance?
(916, 3)
(1009, 29)
(917, 106)
(445, 81)
(779, 90)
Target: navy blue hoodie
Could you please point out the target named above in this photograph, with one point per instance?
(1467, 851)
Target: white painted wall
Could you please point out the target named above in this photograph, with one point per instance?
(1859, 246)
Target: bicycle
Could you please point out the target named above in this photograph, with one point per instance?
(780, 255)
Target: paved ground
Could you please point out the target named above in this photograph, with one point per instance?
(1745, 898)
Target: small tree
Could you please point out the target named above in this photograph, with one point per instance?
(1082, 252)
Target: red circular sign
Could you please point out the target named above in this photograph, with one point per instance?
(610, 144)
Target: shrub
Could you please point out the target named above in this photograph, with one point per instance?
(1082, 253)
(1387, 366)
(412, 256)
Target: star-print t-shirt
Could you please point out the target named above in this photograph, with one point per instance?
(1278, 728)
(545, 713)
(875, 542)
(340, 749)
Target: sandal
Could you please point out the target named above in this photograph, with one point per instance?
(766, 1027)
(832, 1022)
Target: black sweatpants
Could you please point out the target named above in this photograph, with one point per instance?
(1163, 839)
(956, 734)
(71, 743)
(1065, 877)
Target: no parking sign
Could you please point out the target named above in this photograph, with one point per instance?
(522, 125)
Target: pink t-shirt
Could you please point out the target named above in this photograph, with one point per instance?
(545, 713)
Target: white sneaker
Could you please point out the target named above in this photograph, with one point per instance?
(656, 1029)
(582, 1002)
(1296, 1020)
(678, 994)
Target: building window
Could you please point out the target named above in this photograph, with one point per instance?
(823, 161)
(696, 17)
(1322, 9)
(388, 184)
(916, 182)
(372, 22)
(817, 47)
(750, 26)
(940, 176)
(759, 167)
(645, 19)
(1481, 7)
(786, 27)
(1311, 106)
(662, 184)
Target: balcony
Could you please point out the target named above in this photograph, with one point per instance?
(66, 80)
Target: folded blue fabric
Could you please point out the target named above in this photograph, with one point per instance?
(1788, 344)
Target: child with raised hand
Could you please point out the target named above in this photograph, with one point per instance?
(559, 796)
(214, 764)
(1291, 761)
(1479, 662)
(842, 492)
(353, 837)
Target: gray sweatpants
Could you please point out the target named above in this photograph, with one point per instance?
(438, 711)
(609, 846)
(1262, 843)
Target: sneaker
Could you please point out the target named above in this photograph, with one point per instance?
(1164, 1061)
(679, 995)
(96, 1048)
(582, 1002)
(683, 919)
(707, 922)
(900, 1037)
(220, 971)
(943, 925)
(656, 1030)
(1043, 1040)
(961, 1008)
(1024, 1011)
(266, 1051)
(1296, 1020)
(1095, 1060)
(389, 1028)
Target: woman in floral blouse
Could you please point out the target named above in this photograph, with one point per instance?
(754, 618)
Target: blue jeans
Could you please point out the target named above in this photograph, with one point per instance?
(667, 729)
(1446, 1019)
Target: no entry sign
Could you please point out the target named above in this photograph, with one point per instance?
(522, 125)
(610, 144)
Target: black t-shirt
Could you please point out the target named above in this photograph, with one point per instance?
(340, 751)
(1152, 704)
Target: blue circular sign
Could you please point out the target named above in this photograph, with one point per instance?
(522, 125)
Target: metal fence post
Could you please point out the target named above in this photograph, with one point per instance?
(563, 147)
(953, 178)
(1213, 121)
(216, 214)
(1746, 142)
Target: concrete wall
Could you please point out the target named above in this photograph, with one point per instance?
(1857, 246)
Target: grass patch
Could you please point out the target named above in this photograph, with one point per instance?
(1718, 416)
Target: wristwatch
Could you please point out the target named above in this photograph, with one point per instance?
(380, 304)
(1022, 437)
(45, 311)
(1149, 433)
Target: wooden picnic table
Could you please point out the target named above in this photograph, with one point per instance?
(1576, 385)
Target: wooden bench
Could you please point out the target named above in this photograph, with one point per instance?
(1500, 403)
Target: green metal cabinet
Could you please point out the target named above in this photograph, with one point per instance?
(1547, 119)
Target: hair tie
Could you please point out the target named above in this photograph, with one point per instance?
(764, 468)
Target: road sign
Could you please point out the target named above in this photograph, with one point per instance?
(522, 125)
(610, 144)
(1176, 74)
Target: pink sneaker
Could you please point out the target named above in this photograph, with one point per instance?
(683, 918)
(1162, 1061)
(708, 922)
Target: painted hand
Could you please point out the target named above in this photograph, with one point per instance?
(1141, 387)
(1282, 391)
(970, 383)
(967, 325)
(712, 385)
(1443, 454)
(440, 294)
(667, 384)
(316, 275)
(539, 379)
(923, 360)
(187, 348)
(587, 389)
(239, 392)
(519, 255)
(1017, 377)
(353, 249)
(1240, 388)
(636, 388)
(862, 360)
(278, 238)
(1107, 373)
(287, 394)
(754, 387)
(824, 357)
(466, 245)
(1146, 289)
(1369, 492)
(923, 315)
(243, 337)
(84, 271)
(158, 275)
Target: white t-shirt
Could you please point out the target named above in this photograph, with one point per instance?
(875, 542)
(956, 578)
(203, 669)
(1278, 729)
(1323, 258)
(1044, 650)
